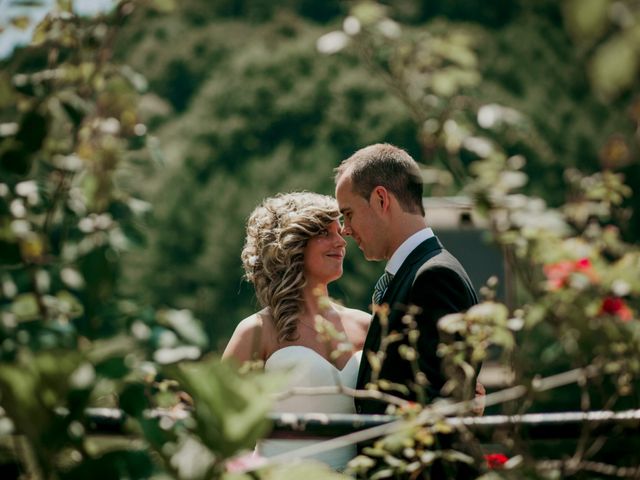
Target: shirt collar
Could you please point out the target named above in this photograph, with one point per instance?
(408, 246)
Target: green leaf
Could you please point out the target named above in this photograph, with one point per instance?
(184, 323)
(452, 323)
(230, 410)
(587, 19)
(21, 22)
(25, 307)
(191, 459)
(34, 386)
(128, 463)
(614, 66)
(456, 456)
(106, 348)
(75, 107)
(236, 476)
(7, 95)
(162, 6)
(133, 399)
(69, 304)
(113, 368)
(307, 470)
(490, 313)
(156, 436)
(380, 474)
(33, 131)
(14, 159)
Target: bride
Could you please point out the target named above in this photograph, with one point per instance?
(293, 250)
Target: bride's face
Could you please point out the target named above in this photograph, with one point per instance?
(323, 255)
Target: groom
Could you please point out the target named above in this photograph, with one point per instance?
(379, 191)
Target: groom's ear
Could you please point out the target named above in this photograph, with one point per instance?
(380, 199)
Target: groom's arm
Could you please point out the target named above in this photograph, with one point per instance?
(437, 291)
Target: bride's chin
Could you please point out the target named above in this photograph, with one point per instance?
(336, 276)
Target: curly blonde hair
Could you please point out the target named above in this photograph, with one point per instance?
(273, 255)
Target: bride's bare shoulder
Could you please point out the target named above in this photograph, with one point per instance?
(250, 339)
(356, 324)
(359, 317)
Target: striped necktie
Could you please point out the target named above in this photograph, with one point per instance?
(381, 287)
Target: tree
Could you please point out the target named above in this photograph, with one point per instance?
(71, 337)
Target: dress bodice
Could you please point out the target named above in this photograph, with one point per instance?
(307, 368)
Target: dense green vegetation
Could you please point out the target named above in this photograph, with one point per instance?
(244, 106)
(119, 264)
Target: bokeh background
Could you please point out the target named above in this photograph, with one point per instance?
(136, 139)
(241, 103)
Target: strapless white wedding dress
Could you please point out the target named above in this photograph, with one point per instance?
(310, 369)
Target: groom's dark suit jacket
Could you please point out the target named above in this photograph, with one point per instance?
(433, 280)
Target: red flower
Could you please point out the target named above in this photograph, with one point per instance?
(496, 460)
(616, 306)
(558, 273)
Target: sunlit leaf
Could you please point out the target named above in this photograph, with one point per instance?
(332, 42)
(105, 348)
(34, 385)
(230, 410)
(191, 459)
(25, 307)
(307, 470)
(184, 323)
(368, 12)
(614, 66)
(22, 22)
(586, 19)
(163, 6)
(69, 304)
(75, 107)
(6, 91)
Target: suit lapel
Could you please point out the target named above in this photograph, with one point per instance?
(421, 253)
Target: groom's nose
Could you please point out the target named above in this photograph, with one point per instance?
(346, 230)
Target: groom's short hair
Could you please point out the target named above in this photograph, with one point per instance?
(386, 165)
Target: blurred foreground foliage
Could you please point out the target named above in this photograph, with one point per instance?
(71, 336)
(528, 107)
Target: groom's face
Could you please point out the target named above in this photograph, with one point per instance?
(359, 220)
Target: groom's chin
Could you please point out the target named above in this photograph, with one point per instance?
(370, 257)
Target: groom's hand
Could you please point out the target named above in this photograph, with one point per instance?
(481, 392)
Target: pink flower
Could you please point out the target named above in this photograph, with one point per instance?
(245, 462)
(558, 273)
(496, 460)
(616, 306)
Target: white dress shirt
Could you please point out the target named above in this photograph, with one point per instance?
(408, 246)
